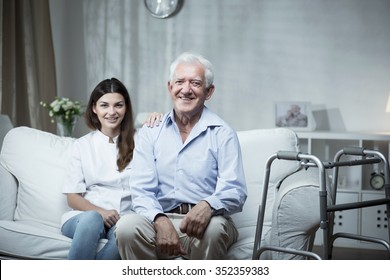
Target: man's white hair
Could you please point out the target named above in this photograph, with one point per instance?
(193, 58)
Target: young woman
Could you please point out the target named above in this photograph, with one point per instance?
(97, 184)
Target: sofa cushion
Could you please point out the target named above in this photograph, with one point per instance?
(33, 239)
(40, 174)
(296, 213)
(257, 146)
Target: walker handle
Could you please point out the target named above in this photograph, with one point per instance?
(356, 151)
(288, 155)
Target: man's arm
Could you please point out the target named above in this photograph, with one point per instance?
(167, 239)
(143, 177)
(230, 191)
(196, 221)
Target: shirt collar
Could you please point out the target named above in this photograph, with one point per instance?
(207, 119)
(104, 138)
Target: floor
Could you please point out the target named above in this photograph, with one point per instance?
(340, 253)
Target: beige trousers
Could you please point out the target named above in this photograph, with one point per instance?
(136, 238)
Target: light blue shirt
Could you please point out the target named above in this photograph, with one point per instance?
(166, 172)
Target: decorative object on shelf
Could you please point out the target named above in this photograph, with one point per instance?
(377, 180)
(295, 115)
(64, 112)
(163, 8)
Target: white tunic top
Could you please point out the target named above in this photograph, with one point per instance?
(93, 172)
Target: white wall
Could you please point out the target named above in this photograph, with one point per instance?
(333, 53)
(69, 51)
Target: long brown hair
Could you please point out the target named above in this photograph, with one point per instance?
(125, 141)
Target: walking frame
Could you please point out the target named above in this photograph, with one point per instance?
(363, 157)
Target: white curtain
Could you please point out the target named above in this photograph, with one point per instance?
(125, 41)
(121, 42)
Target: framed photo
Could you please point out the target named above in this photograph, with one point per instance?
(295, 115)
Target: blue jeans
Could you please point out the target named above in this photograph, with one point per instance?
(86, 229)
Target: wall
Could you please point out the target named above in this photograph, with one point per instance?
(68, 40)
(334, 54)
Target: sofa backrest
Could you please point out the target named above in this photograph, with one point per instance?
(38, 161)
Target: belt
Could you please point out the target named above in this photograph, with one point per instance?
(183, 208)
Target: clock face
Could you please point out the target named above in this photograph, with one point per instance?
(162, 8)
(377, 181)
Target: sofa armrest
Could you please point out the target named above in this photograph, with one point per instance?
(296, 213)
(8, 190)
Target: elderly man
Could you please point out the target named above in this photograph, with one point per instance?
(186, 176)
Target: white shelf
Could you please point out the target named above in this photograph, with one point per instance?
(345, 135)
(354, 182)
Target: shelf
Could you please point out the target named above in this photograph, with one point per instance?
(353, 181)
(346, 135)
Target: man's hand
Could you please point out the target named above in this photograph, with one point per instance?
(167, 239)
(196, 221)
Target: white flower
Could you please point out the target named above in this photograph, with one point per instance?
(54, 103)
(56, 108)
(63, 108)
(68, 105)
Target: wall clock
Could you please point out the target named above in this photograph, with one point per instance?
(162, 8)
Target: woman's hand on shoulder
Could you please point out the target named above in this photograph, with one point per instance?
(154, 119)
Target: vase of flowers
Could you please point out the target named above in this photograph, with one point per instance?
(64, 112)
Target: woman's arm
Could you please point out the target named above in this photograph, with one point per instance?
(78, 202)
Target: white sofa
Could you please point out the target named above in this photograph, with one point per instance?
(32, 165)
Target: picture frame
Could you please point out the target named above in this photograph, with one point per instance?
(294, 115)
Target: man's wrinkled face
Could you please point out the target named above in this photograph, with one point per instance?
(188, 89)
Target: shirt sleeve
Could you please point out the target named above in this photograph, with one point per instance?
(230, 192)
(74, 181)
(143, 177)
